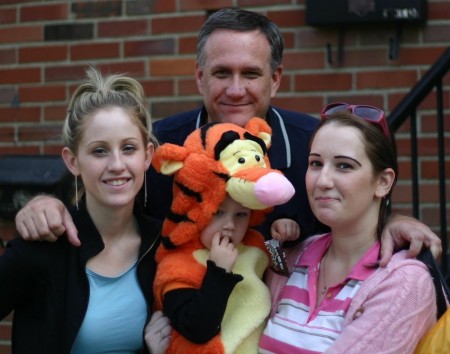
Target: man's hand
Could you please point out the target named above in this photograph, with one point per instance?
(45, 218)
(400, 231)
(285, 230)
(158, 333)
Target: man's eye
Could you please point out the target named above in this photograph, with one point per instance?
(221, 73)
(252, 75)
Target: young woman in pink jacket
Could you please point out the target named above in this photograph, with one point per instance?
(336, 298)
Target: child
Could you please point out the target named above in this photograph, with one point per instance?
(210, 264)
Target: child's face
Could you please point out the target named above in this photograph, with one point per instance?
(231, 220)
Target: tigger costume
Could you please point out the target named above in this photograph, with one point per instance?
(217, 159)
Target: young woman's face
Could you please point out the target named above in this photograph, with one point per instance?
(112, 157)
(231, 220)
(342, 189)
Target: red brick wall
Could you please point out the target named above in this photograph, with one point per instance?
(46, 46)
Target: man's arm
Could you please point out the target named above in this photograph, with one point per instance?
(45, 218)
(400, 231)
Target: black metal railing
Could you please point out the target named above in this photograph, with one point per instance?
(407, 108)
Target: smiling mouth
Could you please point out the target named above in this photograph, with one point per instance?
(117, 182)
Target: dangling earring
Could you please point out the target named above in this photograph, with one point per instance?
(145, 189)
(76, 192)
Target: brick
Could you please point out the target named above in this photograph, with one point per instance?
(170, 67)
(204, 5)
(5, 349)
(154, 88)
(419, 56)
(438, 11)
(429, 122)
(43, 54)
(50, 93)
(305, 104)
(317, 82)
(310, 37)
(7, 134)
(133, 69)
(54, 149)
(19, 114)
(165, 109)
(187, 45)
(55, 112)
(65, 73)
(363, 57)
(404, 168)
(304, 60)
(122, 28)
(183, 24)
(8, 15)
(9, 95)
(243, 3)
(21, 34)
(289, 40)
(385, 79)
(430, 169)
(187, 87)
(93, 9)
(8, 56)
(39, 133)
(149, 47)
(68, 32)
(288, 18)
(139, 7)
(19, 150)
(437, 33)
(19, 75)
(44, 12)
(94, 51)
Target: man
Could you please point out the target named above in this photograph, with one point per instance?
(238, 71)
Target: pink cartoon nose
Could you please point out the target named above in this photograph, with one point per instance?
(273, 189)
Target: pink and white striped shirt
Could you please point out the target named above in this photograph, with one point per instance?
(299, 324)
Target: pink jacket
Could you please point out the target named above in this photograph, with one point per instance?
(393, 309)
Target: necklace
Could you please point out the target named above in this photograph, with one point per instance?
(322, 271)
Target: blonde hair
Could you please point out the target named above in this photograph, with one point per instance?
(100, 92)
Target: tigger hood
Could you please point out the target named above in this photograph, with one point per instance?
(217, 159)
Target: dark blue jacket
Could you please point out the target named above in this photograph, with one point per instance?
(291, 133)
(47, 287)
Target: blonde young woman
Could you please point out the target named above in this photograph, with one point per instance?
(95, 298)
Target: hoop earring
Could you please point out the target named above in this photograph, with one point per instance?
(145, 189)
(76, 192)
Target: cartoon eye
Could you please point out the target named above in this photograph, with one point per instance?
(241, 160)
(258, 158)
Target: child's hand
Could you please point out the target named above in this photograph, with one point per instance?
(285, 230)
(158, 333)
(223, 252)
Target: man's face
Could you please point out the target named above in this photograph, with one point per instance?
(236, 80)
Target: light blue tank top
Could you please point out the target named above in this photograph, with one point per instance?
(115, 317)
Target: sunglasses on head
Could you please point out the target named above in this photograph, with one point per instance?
(368, 113)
